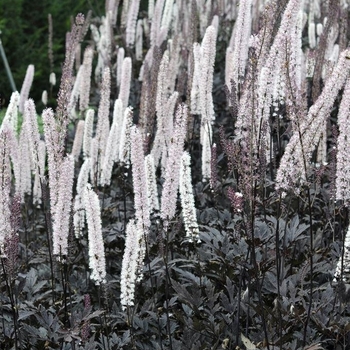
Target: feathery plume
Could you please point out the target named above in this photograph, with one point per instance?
(61, 217)
(242, 33)
(112, 144)
(172, 171)
(298, 151)
(102, 127)
(131, 23)
(125, 143)
(343, 144)
(27, 84)
(86, 79)
(139, 178)
(78, 139)
(131, 262)
(39, 174)
(79, 211)
(5, 182)
(152, 192)
(88, 128)
(11, 115)
(65, 89)
(139, 44)
(125, 81)
(187, 199)
(97, 261)
(120, 60)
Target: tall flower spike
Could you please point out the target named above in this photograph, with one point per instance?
(79, 212)
(97, 261)
(139, 43)
(125, 143)
(120, 59)
(27, 84)
(292, 166)
(102, 127)
(208, 51)
(112, 144)
(343, 146)
(5, 182)
(172, 171)
(61, 217)
(86, 80)
(125, 81)
(88, 128)
(54, 154)
(130, 264)
(139, 179)
(39, 174)
(131, 23)
(11, 115)
(187, 199)
(78, 139)
(242, 33)
(152, 192)
(67, 71)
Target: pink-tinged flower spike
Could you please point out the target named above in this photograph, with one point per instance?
(162, 112)
(24, 180)
(54, 149)
(208, 51)
(40, 173)
(152, 192)
(5, 181)
(74, 97)
(112, 144)
(187, 200)
(61, 217)
(155, 28)
(172, 171)
(94, 161)
(298, 151)
(139, 178)
(65, 89)
(79, 211)
(102, 127)
(130, 265)
(118, 117)
(131, 23)
(88, 129)
(242, 33)
(139, 42)
(344, 261)
(343, 145)
(31, 124)
(120, 60)
(27, 84)
(124, 91)
(97, 261)
(125, 143)
(86, 79)
(11, 115)
(195, 95)
(150, 9)
(78, 140)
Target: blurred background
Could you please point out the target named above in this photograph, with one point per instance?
(24, 34)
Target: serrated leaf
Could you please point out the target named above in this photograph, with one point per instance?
(24, 314)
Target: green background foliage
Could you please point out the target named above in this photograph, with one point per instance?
(24, 27)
